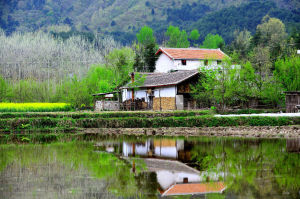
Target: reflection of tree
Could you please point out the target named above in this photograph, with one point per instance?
(251, 168)
(69, 160)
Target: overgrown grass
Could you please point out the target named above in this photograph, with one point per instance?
(34, 107)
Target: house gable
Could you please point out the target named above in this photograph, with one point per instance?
(187, 58)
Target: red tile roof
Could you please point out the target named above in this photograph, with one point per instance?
(199, 188)
(192, 53)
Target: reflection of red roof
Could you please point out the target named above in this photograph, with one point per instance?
(192, 53)
(199, 188)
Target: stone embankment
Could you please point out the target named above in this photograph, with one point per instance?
(242, 131)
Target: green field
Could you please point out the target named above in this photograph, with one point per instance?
(34, 107)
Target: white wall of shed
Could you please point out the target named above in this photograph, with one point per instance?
(139, 94)
(169, 91)
(165, 91)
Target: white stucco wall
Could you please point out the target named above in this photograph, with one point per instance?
(194, 64)
(126, 94)
(142, 93)
(165, 91)
(164, 64)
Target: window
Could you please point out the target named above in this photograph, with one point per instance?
(219, 62)
(205, 62)
(183, 62)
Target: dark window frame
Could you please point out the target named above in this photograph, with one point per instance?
(183, 62)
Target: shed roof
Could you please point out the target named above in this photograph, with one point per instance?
(192, 53)
(101, 94)
(166, 79)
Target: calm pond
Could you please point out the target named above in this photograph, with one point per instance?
(152, 167)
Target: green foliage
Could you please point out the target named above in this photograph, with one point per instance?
(287, 71)
(272, 34)
(145, 50)
(145, 36)
(177, 38)
(3, 89)
(241, 43)
(213, 41)
(194, 35)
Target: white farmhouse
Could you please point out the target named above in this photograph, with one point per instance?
(173, 59)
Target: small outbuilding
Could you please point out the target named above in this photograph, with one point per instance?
(292, 101)
(107, 101)
(164, 91)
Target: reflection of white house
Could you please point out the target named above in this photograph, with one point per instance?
(166, 148)
(171, 59)
(176, 178)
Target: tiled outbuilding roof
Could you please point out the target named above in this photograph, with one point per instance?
(192, 53)
(195, 188)
(166, 79)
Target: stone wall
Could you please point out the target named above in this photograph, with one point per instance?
(107, 106)
(165, 103)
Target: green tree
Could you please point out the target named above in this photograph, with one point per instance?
(177, 38)
(213, 41)
(219, 85)
(272, 34)
(194, 35)
(145, 36)
(145, 50)
(121, 61)
(241, 43)
(243, 83)
(288, 73)
(261, 60)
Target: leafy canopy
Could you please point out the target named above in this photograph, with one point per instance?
(213, 41)
(145, 36)
(288, 73)
(194, 35)
(177, 38)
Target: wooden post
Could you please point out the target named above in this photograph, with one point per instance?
(159, 100)
(132, 92)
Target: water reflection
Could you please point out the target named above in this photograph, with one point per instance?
(243, 168)
(135, 167)
(293, 145)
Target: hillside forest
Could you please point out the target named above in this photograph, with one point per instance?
(48, 66)
(122, 19)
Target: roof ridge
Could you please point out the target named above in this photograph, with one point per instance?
(193, 48)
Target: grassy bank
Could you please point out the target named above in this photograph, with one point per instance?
(115, 114)
(68, 123)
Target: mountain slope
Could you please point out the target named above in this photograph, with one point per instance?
(123, 18)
